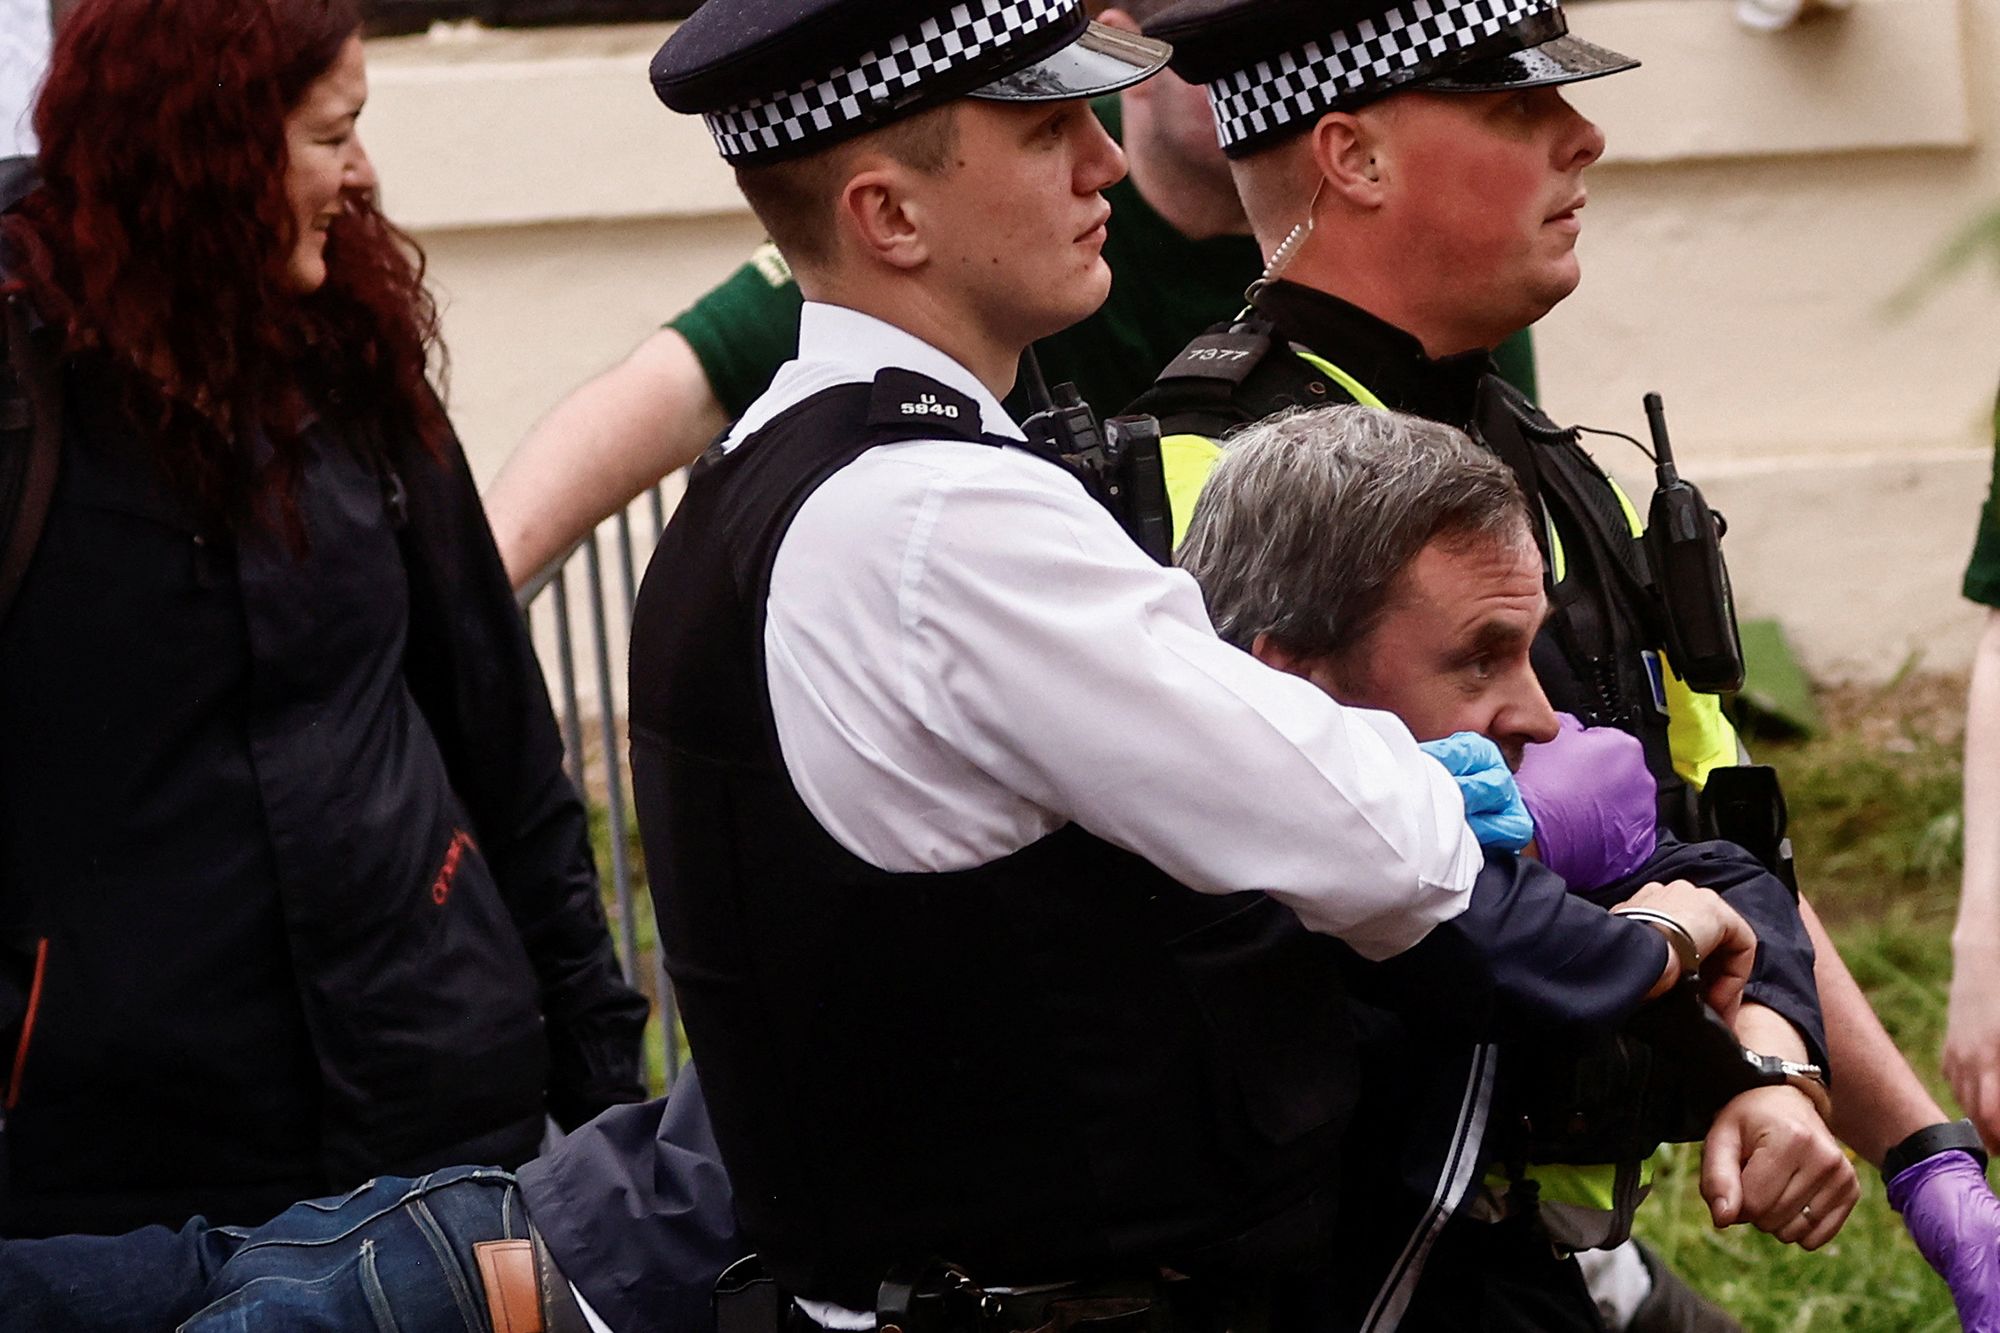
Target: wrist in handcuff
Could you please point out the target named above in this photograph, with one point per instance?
(1679, 938)
(1808, 1079)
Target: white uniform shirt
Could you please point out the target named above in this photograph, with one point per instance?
(965, 652)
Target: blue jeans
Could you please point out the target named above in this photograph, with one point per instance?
(394, 1256)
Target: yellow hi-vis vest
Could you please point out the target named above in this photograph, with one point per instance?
(1699, 737)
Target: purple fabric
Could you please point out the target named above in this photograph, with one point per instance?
(1955, 1221)
(1595, 807)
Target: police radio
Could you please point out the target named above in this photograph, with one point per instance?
(1119, 461)
(1684, 547)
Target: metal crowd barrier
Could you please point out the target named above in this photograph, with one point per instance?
(606, 782)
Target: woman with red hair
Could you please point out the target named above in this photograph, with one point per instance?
(293, 891)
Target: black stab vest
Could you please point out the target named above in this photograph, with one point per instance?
(1057, 1064)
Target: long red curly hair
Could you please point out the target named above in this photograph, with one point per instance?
(159, 239)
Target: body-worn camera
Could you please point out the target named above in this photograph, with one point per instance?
(1119, 461)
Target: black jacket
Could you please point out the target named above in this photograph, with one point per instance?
(293, 890)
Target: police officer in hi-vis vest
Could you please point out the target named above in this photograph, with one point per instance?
(1416, 177)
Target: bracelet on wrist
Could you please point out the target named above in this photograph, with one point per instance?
(1929, 1142)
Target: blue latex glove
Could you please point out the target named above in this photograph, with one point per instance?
(1594, 802)
(1955, 1221)
(1492, 803)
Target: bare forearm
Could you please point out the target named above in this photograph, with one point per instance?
(1972, 1031)
(598, 449)
(1878, 1099)
(1768, 1032)
(1978, 931)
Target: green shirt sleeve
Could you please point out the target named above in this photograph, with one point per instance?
(1982, 572)
(744, 329)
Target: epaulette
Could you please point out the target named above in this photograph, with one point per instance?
(903, 399)
(1224, 354)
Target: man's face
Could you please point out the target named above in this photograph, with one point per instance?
(1015, 227)
(1484, 189)
(1451, 651)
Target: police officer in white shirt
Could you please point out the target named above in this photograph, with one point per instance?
(1007, 906)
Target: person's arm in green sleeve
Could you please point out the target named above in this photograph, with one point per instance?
(597, 449)
(653, 412)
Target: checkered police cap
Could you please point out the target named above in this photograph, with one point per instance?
(1375, 54)
(1273, 67)
(882, 77)
(917, 53)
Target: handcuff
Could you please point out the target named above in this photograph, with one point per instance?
(1686, 951)
(1770, 1070)
(1809, 1079)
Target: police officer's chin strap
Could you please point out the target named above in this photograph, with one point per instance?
(1288, 249)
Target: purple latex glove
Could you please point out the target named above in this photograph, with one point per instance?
(1955, 1221)
(1594, 804)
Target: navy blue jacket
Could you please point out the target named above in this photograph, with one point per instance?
(1434, 1050)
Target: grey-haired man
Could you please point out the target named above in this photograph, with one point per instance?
(1390, 561)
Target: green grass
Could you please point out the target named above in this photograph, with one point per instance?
(1875, 822)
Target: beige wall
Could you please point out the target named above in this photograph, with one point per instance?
(1849, 445)
(1765, 197)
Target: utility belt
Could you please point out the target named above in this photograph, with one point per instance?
(942, 1299)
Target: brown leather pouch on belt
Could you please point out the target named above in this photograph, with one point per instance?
(507, 1269)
